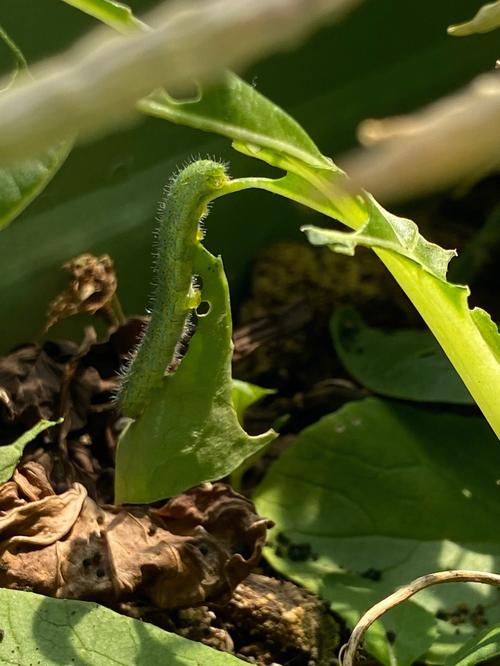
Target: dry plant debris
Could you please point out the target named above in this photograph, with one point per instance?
(194, 549)
(185, 566)
(92, 288)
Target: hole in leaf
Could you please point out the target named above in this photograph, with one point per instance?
(203, 309)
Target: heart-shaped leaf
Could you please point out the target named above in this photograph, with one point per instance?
(377, 494)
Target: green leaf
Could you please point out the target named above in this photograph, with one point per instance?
(235, 110)
(385, 230)
(23, 181)
(401, 363)
(10, 454)
(20, 64)
(41, 630)
(244, 395)
(486, 19)
(189, 432)
(115, 14)
(483, 646)
(103, 200)
(260, 129)
(378, 494)
(469, 338)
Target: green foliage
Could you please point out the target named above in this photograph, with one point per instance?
(418, 265)
(177, 241)
(372, 495)
(378, 494)
(103, 199)
(385, 230)
(186, 429)
(115, 14)
(234, 109)
(486, 19)
(405, 363)
(10, 454)
(40, 630)
(485, 645)
(244, 395)
(189, 432)
(23, 182)
(20, 64)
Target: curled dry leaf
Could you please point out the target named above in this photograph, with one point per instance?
(91, 289)
(31, 380)
(74, 381)
(195, 549)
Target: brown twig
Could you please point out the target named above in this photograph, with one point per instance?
(348, 651)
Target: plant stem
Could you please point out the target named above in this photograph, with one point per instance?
(443, 310)
(348, 651)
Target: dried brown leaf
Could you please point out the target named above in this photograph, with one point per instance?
(195, 549)
(92, 288)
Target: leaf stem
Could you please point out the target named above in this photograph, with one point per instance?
(444, 308)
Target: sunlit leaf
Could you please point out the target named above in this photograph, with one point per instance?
(377, 494)
(40, 630)
(115, 14)
(385, 230)
(469, 337)
(23, 181)
(235, 110)
(189, 432)
(10, 454)
(103, 200)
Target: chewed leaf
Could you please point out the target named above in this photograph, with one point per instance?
(486, 20)
(236, 110)
(11, 454)
(388, 231)
(115, 14)
(403, 363)
(260, 129)
(40, 630)
(189, 432)
(23, 181)
(377, 494)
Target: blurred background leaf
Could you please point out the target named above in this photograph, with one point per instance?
(400, 363)
(104, 198)
(21, 182)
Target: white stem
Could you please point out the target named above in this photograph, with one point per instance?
(451, 140)
(348, 651)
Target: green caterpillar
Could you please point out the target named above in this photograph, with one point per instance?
(178, 235)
